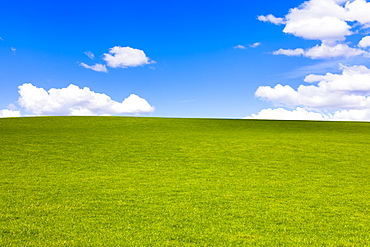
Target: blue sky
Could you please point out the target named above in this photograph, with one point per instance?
(218, 59)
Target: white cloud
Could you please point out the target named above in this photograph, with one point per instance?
(73, 101)
(339, 50)
(96, 67)
(364, 42)
(89, 54)
(327, 29)
(353, 80)
(124, 57)
(9, 113)
(342, 96)
(289, 52)
(358, 10)
(279, 94)
(352, 115)
(240, 47)
(271, 18)
(323, 51)
(1, 39)
(283, 114)
(255, 45)
(347, 91)
(318, 20)
(119, 57)
(303, 114)
(329, 21)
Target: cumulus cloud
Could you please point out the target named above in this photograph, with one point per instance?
(358, 11)
(96, 67)
(124, 57)
(318, 20)
(73, 101)
(364, 42)
(9, 113)
(329, 21)
(349, 90)
(342, 96)
(119, 57)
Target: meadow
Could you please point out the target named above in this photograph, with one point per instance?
(126, 181)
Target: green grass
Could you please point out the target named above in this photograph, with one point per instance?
(118, 181)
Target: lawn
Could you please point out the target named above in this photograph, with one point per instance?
(126, 181)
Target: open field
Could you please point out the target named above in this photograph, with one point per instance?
(117, 181)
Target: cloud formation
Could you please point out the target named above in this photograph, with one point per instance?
(364, 42)
(324, 51)
(303, 114)
(240, 47)
(344, 96)
(329, 21)
(283, 114)
(89, 54)
(254, 45)
(75, 101)
(124, 57)
(271, 18)
(290, 52)
(96, 67)
(243, 47)
(119, 57)
(349, 90)
(9, 113)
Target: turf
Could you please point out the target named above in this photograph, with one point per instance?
(125, 181)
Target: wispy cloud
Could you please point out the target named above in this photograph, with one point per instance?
(90, 54)
(243, 47)
(271, 18)
(240, 47)
(96, 67)
(255, 45)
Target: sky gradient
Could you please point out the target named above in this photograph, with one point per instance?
(212, 59)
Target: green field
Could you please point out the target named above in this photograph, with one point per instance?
(124, 181)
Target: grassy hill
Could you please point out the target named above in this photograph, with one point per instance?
(122, 181)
